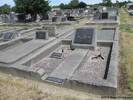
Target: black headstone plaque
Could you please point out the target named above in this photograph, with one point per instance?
(54, 19)
(56, 55)
(41, 35)
(84, 36)
(105, 15)
(70, 18)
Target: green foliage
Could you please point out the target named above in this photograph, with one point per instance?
(32, 7)
(73, 4)
(82, 5)
(5, 9)
(107, 3)
(13, 9)
(63, 6)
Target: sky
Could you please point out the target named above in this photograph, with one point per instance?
(57, 2)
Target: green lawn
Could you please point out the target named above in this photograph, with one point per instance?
(126, 29)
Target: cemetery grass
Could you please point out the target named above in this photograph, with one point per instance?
(16, 88)
(126, 64)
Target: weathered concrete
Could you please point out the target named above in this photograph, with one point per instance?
(76, 68)
(16, 53)
(68, 66)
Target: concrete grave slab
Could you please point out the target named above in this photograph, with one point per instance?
(68, 66)
(18, 52)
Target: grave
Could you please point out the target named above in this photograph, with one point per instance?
(21, 17)
(96, 16)
(84, 38)
(41, 34)
(51, 30)
(71, 18)
(93, 62)
(12, 17)
(9, 35)
(54, 19)
(56, 55)
(63, 19)
(104, 15)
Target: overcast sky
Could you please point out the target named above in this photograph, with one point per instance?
(56, 2)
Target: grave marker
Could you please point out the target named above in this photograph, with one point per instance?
(56, 55)
(8, 36)
(84, 38)
(41, 35)
(104, 15)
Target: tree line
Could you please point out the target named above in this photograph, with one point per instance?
(73, 4)
(76, 4)
(32, 7)
(41, 7)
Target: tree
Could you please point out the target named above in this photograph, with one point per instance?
(32, 7)
(107, 3)
(13, 9)
(5, 9)
(82, 5)
(63, 6)
(74, 4)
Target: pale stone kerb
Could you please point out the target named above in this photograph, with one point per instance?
(117, 34)
(113, 67)
(51, 30)
(26, 31)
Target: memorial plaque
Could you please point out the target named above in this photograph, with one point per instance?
(41, 35)
(56, 55)
(105, 15)
(56, 80)
(70, 18)
(54, 19)
(96, 16)
(84, 36)
(8, 36)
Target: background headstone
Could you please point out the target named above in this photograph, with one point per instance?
(54, 19)
(104, 15)
(41, 35)
(9, 35)
(51, 30)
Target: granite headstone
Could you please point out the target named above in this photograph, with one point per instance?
(41, 35)
(84, 38)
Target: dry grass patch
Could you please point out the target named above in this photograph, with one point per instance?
(16, 88)
(126, 28)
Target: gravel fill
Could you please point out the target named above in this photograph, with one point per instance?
(92, 71)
